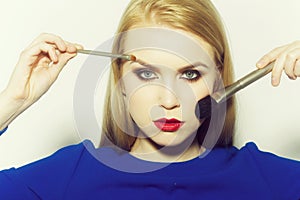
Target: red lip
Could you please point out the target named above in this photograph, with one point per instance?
(168, 125)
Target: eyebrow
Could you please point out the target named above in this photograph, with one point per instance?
(154, 68)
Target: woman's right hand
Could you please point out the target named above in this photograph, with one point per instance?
(38, 67)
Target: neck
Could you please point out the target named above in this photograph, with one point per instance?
(145, 149)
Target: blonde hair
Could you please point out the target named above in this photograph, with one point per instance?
(196, 16)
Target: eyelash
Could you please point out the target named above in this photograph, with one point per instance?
(196, 75)
(141, 75)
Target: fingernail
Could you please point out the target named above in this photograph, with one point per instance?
(258, 64)
(78, 46)
(274, 81)
(261, 63)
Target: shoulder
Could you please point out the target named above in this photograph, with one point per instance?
(64, 161)
(260, 169)
(281, 174)
(252, 153)
(252, 149)
(56, 170)
(64, 157)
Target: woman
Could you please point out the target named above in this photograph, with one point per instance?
(153, 146)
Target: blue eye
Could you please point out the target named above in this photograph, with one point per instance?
(145, 74)
(191, 75)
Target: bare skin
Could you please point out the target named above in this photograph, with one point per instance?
(41, 62)
(37, 69)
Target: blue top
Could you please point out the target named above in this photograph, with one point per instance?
(3, 131)
(74, 173)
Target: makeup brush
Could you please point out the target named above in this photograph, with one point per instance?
(106, 54)
(219, 97)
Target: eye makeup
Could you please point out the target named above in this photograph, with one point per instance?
(147, 72)
(191, 75)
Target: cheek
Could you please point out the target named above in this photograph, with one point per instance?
(140, 103)
(201, 90)
(189, 100)
(195, 91)
(190, 94)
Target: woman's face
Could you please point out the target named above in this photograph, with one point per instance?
(162, 89)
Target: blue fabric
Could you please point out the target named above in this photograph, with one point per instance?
(3, 131)
(74, 173)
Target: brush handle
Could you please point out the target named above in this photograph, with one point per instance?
(106, 54)
(242, 83)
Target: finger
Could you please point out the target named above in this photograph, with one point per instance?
(290, 73)
(51, 39)
(73, 47)
(71, 52)
(291, 59)
(44, 60)
(289, 67)
(270, 57)
(56, 68)
(78, 46)
(297, 68)
(31, 54)
(277, 70)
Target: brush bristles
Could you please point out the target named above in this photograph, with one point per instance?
(132, 58)
(203, 109)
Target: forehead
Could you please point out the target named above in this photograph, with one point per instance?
(161, 60)
(184, 45)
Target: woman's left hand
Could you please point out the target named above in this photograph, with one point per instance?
(287, 59)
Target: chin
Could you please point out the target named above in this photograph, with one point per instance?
(173, 139)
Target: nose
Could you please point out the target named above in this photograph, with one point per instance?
(168, 99)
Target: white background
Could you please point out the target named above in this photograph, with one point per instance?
(269, 116)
